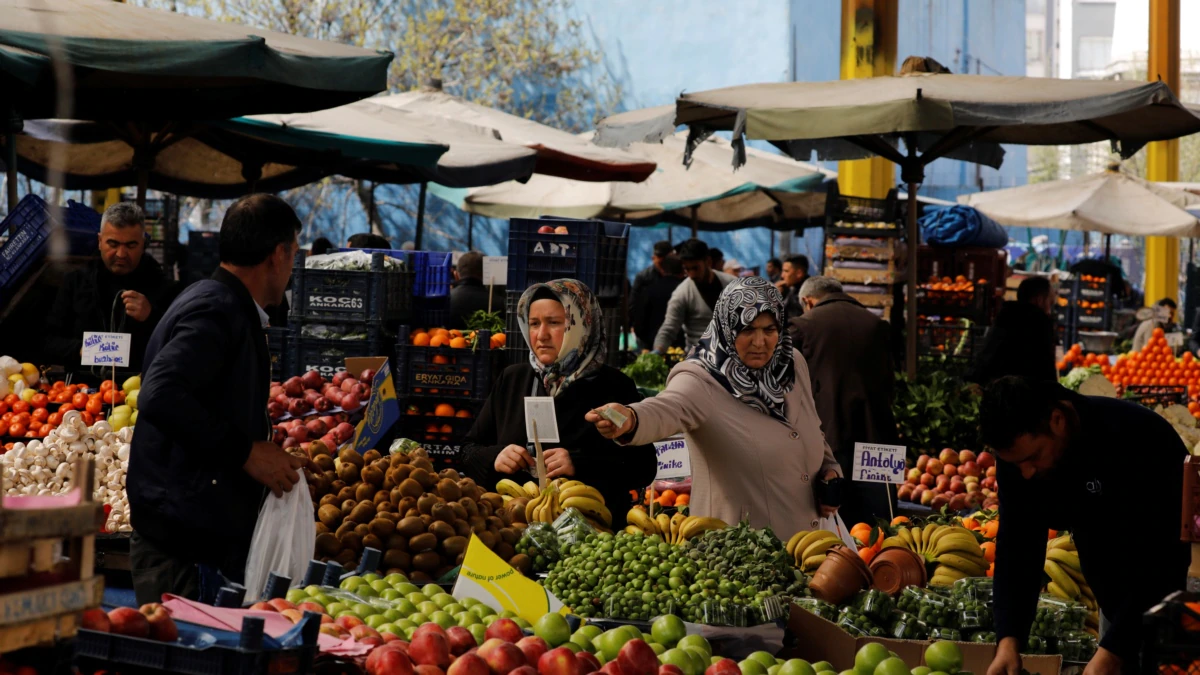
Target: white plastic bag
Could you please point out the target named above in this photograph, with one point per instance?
(835, 525)
(284, 540)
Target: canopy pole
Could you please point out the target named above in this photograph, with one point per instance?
(143, 184)
(470, 231)
(420, 216)
(910, 296)
(1107, 247)
(695, 222)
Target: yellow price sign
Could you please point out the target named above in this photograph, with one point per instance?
(486, 577)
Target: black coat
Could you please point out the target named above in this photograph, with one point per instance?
(469, 296)
(612, 469)
(86, 303)
(648, 304)
(1021, 343)
(1099, 488)
(203, 402)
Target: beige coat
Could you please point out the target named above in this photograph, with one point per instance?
(744, 463)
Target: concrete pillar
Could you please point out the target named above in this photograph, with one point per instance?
(1162, 157)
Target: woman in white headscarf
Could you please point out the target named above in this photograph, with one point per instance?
(564, 328)
(743, 402)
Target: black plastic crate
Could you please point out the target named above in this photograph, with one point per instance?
(351, 297)
(593, 251)
(442, 437)
(974, 304)
(1151, 395)
(278, 340)
(328, 356)
(840, 208)
(459, 373)
(1171, 637)
(431, 312)
(950, 340)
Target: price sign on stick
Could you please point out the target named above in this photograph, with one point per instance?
(495, 270)
(106, 349)
(878, 463)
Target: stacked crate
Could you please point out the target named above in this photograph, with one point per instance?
(860, 251)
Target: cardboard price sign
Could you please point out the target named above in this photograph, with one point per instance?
(495, 270)
(487, 578)
(106, 349)
(673, 459)
(875, 463)
(383, 410)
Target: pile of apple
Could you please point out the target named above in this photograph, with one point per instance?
(332, 430)
(310, 393)
(152, 621)
(959, 480)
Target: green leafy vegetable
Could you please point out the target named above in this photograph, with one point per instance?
(649, 370)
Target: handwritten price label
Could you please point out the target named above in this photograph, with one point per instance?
(673, 459)
(106, 349)
(878, 463)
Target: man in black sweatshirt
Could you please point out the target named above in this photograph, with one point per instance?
(1108, 471)
(1022, 339)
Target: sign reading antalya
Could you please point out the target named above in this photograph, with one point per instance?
(878, 463)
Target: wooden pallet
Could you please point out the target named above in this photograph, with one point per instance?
(861, 252)
(851, 275)
(47, 568)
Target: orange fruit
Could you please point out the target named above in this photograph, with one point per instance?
(970, 523)
(500, 339)
(431, 428)
(420, 340)
(440, 360)
(899, 519)
(438, 340)
(867, 554)
(465, 414)
(444, 410)
(456, 333)
(458, 343)
(991, 528)
(683, 499)
(861, 532)
(992, 570)
(447, 429)
(989, 551)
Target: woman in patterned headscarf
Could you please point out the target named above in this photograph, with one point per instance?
(743, 402)
(564, 328)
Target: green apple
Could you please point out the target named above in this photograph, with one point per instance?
(508, 614)
(575, 649)
(482, 610)
(363, 610)
(366, 591)
(658, 649)
(404, 606)
(578, 637)
(391, 628)
(468, 602)
(416, 598)
(395, 578)
(525, 625)
(370, 577)
(407, 588)
(442, 619)
(297, 596)
(391, 594)
(682, 659)
(767, 659)
(590, 630)
(431, 589)
(313, 590)
(553, 628)
(752, 667)
(346, 612)
(698, 643)
(442, 599)
(393, 615)
(419, 619)
(406, 624)
(479, 632)
(467, 619)
(375, 621)
(335, 608)
(488, 620)
(351, 583)
(428, 607)
(796, 667)
(453, 608)
(822, 666)
(668, 630)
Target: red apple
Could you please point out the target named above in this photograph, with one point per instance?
(469, 664)
(289, 443)
(905, 493)
(637, 658)
(276, 391)
(669, 669)
(934, 467)
(958, 502)
(293, 386)
(360, 632)
(612, 668)
(941, 482)
(972, 488)
(939, 501)
(367, 375)
(533, 647)
(965, 456)
(316, 428)
(503, 657)
(348, 622)
(563, 661)
(561, 229)
(334, 630)
(351, 401)
(96, 619)
(276, 409)
(948, 456)
(129, 621)
(345, 431)
(724, 667)
(460, 639)
(322, 404)
(312, 380)
(958, 488)
(293, 615)
(262, 607)
(299, 433)
(917, 492)
(927, 480)
(504, 629)
(431, 649)
(922, 461)
(914, 475)
(392, 662)
(950, 470)
(348, 384)
(339, 377)
(545, 229)
(927, 497)
(429, 627)
(990, 472)
(298, 406)
(587, 662)
(969, 468)
(389, 638)
(524, 670)
(280, 604)
(310, 396)
(986, 460)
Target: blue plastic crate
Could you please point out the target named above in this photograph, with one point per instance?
(351, 297)
(433, 274)
(34, 224)
(449, 373)
(328, 356)
(593, 251)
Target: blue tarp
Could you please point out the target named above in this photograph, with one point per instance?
(961, 226)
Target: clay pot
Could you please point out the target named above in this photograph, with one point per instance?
(896, 568)
(841, 576)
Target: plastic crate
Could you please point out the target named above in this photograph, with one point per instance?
(328, 356)
(442, 437)
(445, 372)
(593, 252)
(1168, 646)
(34, 224)
(950, 340)
(1152, 395)
(840, 208)
(431, 312)
(974, 304)
(351, 297)
(277, 345)
(203, 255)
(432, 269)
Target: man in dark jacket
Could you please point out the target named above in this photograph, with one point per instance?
(123, 290)
(1065, 464)
(1022, 339)
(848, 350)
(470, 294)
(795, 271)
(652, 289)
(201, 463)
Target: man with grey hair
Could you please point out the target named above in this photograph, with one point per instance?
(848, 350)
(470, 294)
(122, 290)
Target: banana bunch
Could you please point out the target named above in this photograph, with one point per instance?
(1066, 577)
(674, 529)
(511, 488)
(808, 549)
(544, 507)
(952, 548)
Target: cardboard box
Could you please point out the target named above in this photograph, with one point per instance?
(820, 640)
(382, 409)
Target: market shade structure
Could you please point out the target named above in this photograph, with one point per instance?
(770, 190)
(559, 153)
(149, 73)
(933, 115)
(1109, 203)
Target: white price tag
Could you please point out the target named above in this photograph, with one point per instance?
(878, 463)
(541, 408)
(673, 459)
(106, 349)
(495, 271)
(1174, 340)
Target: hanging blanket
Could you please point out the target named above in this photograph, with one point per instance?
(959, 225)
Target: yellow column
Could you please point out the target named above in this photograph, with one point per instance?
(1162, 158)
(868, 50)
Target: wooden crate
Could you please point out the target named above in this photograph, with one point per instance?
(850, 275)
(47, 568)
(862, 251)
(873, 299)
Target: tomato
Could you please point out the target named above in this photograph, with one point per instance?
(79, 400)
(106, 385)
(88, 418)
(39, 400)
(118, 397)
(20, 407)
(24, 418)
(6, 419)
(54, 419)
(60, 384)
(107, 396)
(3, 407)
(34, 427)
(16, 429)
(11, 399)
(41, 414)
(65, 408)
(71, 389)
(93, 406)
(45, 431)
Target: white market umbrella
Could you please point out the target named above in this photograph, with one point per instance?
(1109, 202)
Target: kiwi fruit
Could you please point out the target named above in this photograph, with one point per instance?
(455, 545)
(426, 479)
(321, 528)
(370, 456)
(380, 499)
(508, 536)
(390, 515)
(348, 472)
(478, 526)
(345, 493)
(410, 488)
(373, 541)
(332, 480)
(492, 498)
(327, 544)
(494, 524)
(346, 557)
(426, 518)
(426, 503)
(489, 539)
(351, 456)
(396, 540)
(352, 541)
(406, 504)
(522, 563)
(345, 527)
(323, 462)
(412, 513)
(397, 558)
(348, 507)
(505, 551)
(462, 528)
(382, 527)
(410, 527)
(422, 542)
(485, 509)
(328, 500)
(373, 475)
(449, 490)
(363, 513)
(385, 507)
(426, 562)
(460, 512)
(364, 492)
(469, 507)
(422, 461)
(398, 459)
(443, 512)
(467, 486)
(329, 515)
(442, 530)
(419, 578)
(361, 529)
(450, 473)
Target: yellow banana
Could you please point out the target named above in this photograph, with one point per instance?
(1064, 542)
(563, 483)
(813, 562)
(1058, 576)
(676, 523)
(1065, 558)
(508, 498)
(1058, 592)
(810, 539)
(580, 490)
(531, 508)
(956, 543)
(974, 567)
(641, 520)
(633, 529)
(510, 488)
(694, 526)
(663, 522)
(932, 539)
(894, 542)
(927, 535)
(918, 540)
(907, 536)
(791, 543)
(588, 507)
(820, 546)
(950, 572)
(531, 489)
